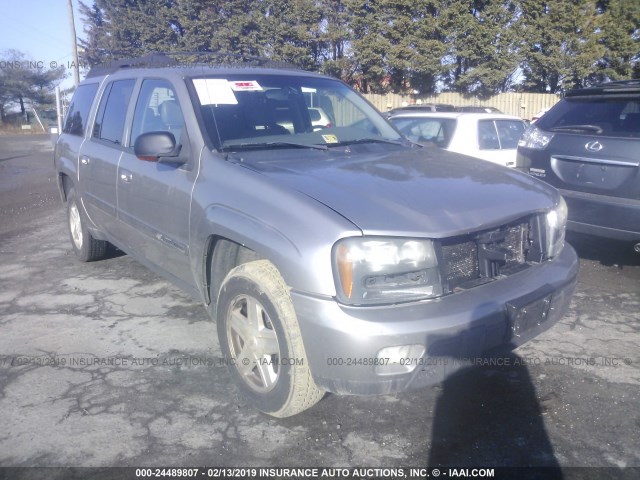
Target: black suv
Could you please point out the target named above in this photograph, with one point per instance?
(588, 146)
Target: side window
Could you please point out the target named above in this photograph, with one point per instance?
(487, 135)
(157, 109)
(509, 132)
(113, 111)
(629, 120)
(76, 120)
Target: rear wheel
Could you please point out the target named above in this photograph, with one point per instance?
(86, 248)
(260, 338)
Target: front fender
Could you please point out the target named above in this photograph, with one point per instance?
(304, 262)
(225, 222)
(292, 230)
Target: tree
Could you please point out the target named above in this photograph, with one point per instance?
(127, 28)
(416, 48)
(405, 46)
(396, 44)
(24, 81)
(335, 40)
(561, 44)
(482, 47)
(369, 45)
(620, 27)
(233, 27)
(293, 32)
(427, 48)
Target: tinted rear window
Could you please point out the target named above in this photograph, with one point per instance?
(76, 120)
(614, 117)
(445, 108)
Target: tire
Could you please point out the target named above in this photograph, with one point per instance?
(86, 248)
(264, 352)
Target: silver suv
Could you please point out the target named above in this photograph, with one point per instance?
(343, 259)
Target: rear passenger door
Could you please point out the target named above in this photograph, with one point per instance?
(153, 197)
(74, 130)
(100, 154)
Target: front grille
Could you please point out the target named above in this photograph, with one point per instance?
(473, 259)
(516, 242)
(460, 263)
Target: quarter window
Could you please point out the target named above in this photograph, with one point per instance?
(76, 120)
(499, 134)
(509, 132)
(112, 112)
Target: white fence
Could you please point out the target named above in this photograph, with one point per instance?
(523, 105)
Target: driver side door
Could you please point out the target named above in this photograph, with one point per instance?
(154, 197)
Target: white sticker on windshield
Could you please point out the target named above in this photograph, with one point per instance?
(245, 86)
(214, 91)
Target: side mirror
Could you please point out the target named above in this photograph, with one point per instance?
(153, 146)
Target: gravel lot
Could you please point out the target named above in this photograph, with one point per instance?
(105, 364)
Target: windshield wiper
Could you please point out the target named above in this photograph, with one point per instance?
(273, 144)
(370, 140)
(577, 128)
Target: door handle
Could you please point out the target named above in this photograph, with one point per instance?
(125, 176)
(84, 160)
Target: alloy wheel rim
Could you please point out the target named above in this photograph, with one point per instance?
(253, 343)
(75, 226)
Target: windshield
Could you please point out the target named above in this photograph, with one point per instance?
(251, 111)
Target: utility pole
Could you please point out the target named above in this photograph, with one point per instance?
(59, 110)
(74, 44)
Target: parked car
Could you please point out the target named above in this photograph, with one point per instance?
(319, 119)
(587, 146)
(477, 109)
(491, 137)
(346, 260)
(422, 107)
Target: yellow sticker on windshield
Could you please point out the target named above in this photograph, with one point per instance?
(330, 138)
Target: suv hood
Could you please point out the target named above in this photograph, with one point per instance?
(426, 192)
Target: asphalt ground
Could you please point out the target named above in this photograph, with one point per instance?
(107, 364)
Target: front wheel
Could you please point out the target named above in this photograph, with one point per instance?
(261, 340)
(86, 248)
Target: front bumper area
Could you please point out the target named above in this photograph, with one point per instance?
(343, 342)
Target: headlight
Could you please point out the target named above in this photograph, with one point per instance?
(377, 270)
(535, 138)
(556, 222)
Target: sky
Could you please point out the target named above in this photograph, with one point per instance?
(40, 29)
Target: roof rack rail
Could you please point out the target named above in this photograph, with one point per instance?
(187, 59)
(621, 83)
(616, 87)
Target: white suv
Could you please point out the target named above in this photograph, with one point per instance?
(487, 136)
